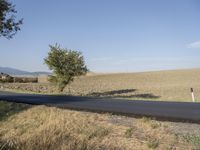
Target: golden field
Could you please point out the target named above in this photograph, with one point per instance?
(161, 85)
(27, 127)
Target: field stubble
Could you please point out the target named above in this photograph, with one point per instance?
(161, 85)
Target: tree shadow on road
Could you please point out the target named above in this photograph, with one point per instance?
(124, 93)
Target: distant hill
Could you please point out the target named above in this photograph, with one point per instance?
(17, 72)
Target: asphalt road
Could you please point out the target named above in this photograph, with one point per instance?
(176, 111)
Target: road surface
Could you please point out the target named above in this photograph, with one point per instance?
(176, 111)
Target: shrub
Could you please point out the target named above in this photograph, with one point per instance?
(153, 143)
(129, 132)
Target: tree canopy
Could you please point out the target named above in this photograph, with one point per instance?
(8, 24)
(65, 64)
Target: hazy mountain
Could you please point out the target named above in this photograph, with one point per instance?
(17, 72)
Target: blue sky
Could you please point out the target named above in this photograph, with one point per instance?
(113, 35)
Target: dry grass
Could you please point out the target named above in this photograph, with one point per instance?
(161, 85)
(42, 127)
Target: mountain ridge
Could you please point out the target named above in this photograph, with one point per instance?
(18, 72)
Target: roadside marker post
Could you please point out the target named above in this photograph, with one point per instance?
(192, 93)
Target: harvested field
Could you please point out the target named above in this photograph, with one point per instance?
(40, 127)
(160, 85)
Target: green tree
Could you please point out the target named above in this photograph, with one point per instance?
(65, 64)
(8, 24)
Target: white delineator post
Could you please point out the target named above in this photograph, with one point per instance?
(192, 93)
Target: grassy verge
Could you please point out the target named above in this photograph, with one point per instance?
(29, 92)
(9, 109)
(19, 91)
(193, 139)
(41, 127)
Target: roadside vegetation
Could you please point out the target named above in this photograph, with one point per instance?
(161, 85)
(9, 109)
(41, 127)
